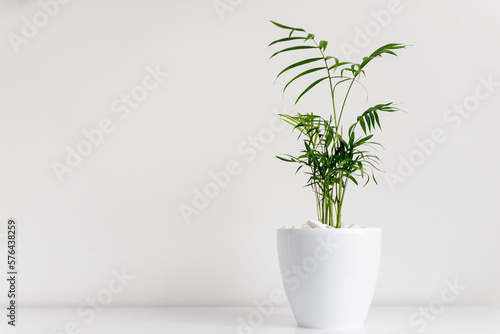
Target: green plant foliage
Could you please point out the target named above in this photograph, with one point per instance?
(333, 159)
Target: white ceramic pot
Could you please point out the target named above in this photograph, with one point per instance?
(329, 274)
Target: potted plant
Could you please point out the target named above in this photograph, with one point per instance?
(329, 270)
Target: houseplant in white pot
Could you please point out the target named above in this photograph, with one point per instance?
(329, 269)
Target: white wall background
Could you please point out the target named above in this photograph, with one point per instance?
(120, 207)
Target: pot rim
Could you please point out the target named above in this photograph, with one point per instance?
(363, 230)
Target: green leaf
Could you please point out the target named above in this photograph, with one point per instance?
(286, 39)
(377, 120)
(302, 74)
(283, 159)
(279, 25)
(363, 126)
(338, 64)
(339, 82)
(329, 139)
(309, 36)
(386, 49)
(372, 118)
(362, 140)
(353, 179)
(361, 169)
(322, 45)
(309, 88)
(302, 62)
(351, 138)
(300, 47)
(347, 69)
(351, 128)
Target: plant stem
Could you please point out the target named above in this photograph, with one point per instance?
(340, 202)
(323, 206)
(331, 86)
(345, 99)
(331, 202)
(318, 208)
(338, 189)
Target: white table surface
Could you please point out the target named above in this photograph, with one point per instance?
(381, 320)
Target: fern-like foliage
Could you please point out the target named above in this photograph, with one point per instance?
(332, 160)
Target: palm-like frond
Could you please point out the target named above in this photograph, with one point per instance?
(332, 160)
